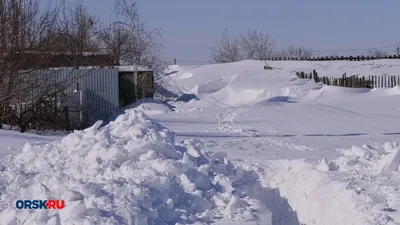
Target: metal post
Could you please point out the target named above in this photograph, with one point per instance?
(81, 107)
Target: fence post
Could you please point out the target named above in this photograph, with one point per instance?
(351, 81)
(386, 83)
(363, 82)
(373, 81)
(370, 81)
(67, 118)
(378, 81)
(391, 81)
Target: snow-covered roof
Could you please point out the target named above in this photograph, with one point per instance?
(128, 68)
(131, 68)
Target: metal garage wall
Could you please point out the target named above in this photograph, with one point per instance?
(99, 87)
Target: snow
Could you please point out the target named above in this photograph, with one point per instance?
(13, 142)
(127, 172)
(311, 136)
(239, 145)
(147, 106)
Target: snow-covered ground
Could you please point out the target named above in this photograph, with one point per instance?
(243, 145)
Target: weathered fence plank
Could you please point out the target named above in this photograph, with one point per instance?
(354, 81)
(335, 58)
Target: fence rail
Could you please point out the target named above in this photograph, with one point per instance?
(353, 81)
(335, 58)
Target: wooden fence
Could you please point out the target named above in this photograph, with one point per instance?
(353, 81)
(334, 58)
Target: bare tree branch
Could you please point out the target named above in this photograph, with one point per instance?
(76, 33)
(296, 52)
(377, 53)
(226, 50)
(29, 96)
(129, 40)
(252, 45)
(256, 45)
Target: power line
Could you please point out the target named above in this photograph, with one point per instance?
(314, 51)
(356, 50)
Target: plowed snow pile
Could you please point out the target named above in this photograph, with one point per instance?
(372, 172)
(128, 172)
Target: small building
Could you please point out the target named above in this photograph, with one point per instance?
(103, 91)
(93, 93)
(142, 84)
(43, 60)
(75, 89)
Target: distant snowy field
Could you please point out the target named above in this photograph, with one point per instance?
(243, 145)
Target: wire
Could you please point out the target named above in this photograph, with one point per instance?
(357, 50)
(360, 50)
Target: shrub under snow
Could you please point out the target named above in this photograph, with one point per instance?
(127, 172)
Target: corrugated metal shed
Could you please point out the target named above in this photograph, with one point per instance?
(100, 91)
(99, 88)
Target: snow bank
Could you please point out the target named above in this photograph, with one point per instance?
(128, 172)
(373, 158)
(236, 84)
(149, 106)
(371, 173)
(246, 82)
(393, 91)
(315, 196)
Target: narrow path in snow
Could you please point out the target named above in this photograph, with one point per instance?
(226, 121)
(377, 193)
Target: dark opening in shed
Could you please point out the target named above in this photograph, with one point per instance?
(132, 88)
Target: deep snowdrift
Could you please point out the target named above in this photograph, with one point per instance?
(374, 158)
(128, 172)
(270, 114)
(246, 83)
(235, 84)
(149, 106)
(372, 172)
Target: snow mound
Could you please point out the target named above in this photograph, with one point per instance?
(210, 87)
(325, 166)
(184, 76)
(172, 69)
(372, 173)
(334, 93)
(376, 159)
(128, 172)
(149, 106)
(238, 84)
(394, 90)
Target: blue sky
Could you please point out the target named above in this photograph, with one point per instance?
(190, 27)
